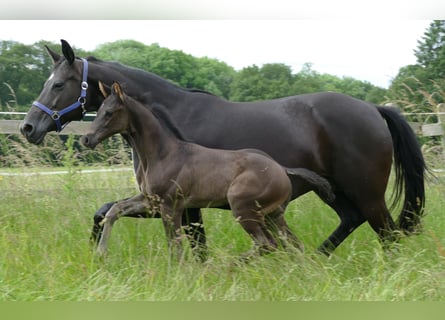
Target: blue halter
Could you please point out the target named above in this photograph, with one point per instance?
(56, 115)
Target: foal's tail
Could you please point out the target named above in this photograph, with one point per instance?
(318, 183)
(410, 170)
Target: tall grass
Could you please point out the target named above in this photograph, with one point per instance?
(45, 221)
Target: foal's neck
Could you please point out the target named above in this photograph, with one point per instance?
(148, 137)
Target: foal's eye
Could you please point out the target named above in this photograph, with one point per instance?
(58, 85)
(108, 113)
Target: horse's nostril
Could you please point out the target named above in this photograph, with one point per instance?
(27, 128)
(84, 140)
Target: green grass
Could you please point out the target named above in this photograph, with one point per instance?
(45, 222)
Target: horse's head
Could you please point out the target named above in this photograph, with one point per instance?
(111, 118)
(62, 99)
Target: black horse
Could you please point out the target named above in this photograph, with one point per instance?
(348, 141)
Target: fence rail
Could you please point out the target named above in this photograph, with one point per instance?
(436, 129)
(13, 127)
(80, 127)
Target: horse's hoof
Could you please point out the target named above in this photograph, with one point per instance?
(101, 252)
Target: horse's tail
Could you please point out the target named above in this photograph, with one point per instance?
(410, 170)
(319, 184)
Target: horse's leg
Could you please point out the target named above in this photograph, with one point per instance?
(98, 228)
(380, 220)
(253, 223)
(350, 219)
(171, 217)
(279, 228)
(191, 220)
(127, 207)
(100, 215)
(250, 217)
(194, 229)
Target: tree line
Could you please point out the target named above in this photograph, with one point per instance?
(24, 69)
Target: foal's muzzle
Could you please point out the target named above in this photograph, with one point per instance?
(89, 140)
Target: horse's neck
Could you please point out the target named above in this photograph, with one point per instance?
(148, 137)
(141, 85)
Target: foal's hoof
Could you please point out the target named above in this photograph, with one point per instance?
(101, 252)
(248, 256)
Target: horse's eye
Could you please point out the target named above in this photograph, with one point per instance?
(58, 85)
(108, 113)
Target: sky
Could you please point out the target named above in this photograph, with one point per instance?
(365, 49)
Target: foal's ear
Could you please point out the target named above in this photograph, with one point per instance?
(118, 91)
(68, 52)
(54, 56)
(104, 89)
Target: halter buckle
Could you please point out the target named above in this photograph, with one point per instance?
(55, 116)
(82, 100)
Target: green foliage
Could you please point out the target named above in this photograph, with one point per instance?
(268, 82)
(416, 86)
(174, 65)
(430, 51)
(24, 69)
(277, 80)
(61, 150)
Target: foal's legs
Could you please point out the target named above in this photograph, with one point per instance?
(194, 229)
(100, 215)
(127, 207)
(279, 228)
(171, 217)
(192, 219)
(252, 220)
(253, 223)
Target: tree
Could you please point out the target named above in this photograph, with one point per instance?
(174, 65)
(214, 76)
(430, 51)
(310, 81)
(418, 87)
(273, 80)
(23, 69)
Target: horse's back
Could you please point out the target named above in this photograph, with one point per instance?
(337, 136)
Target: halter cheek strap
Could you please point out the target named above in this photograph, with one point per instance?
(55, 114)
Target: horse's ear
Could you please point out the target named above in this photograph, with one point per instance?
(54, 56)
(68, 52)
(104, 89)
(118, 90)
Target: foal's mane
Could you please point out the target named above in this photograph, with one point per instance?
(162, 115)
(166, 121)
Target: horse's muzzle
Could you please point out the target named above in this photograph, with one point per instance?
(89, 140)
(31, 134)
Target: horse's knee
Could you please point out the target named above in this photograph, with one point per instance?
(102, 211)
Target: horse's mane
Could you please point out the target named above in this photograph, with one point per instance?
(144, 74)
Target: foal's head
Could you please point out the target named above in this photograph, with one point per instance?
(111, 118)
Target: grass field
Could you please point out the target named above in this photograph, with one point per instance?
(45, 222)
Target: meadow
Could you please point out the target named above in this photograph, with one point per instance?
(45, 254)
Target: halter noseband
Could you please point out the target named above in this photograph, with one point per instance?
(56, 115)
